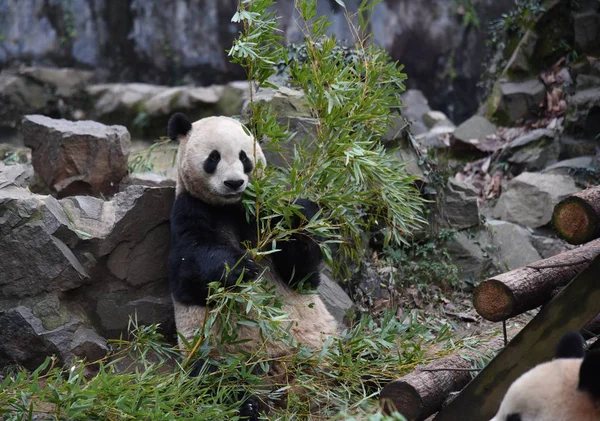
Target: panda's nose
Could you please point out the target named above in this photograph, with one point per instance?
(233, 184)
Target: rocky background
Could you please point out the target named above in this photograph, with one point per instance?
(84, 212)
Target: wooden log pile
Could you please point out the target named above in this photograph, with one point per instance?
(421, 393)
(576, 219)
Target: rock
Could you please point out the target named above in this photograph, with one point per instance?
(18, 175)
(25, 341)
(568, 166)
(534, 150)
(82, 157)
(470, 252)
(511, 102)
(472, 134)
(415, 107)
(587, 81)
(291, 110)
(149, 107)
(519, 62)
(521, 100)
(19, 96)
(65, 82)
(427, 40)
(529, 199)
(513, 244)
(458, 206)
(587, 34)
(335, 298)
(571, 147)
(407, 154)
(51, 266)
(114, 99)
(436, 118)
(583, 114)
(550, 245)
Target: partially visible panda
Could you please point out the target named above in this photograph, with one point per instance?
(564, 389)
(215, 161)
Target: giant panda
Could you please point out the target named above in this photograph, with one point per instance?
(209, 226)
(564, 389)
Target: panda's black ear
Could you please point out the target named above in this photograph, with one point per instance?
(179, 126)
(589, 374)
(570, 346)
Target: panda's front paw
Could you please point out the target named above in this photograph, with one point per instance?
(247, 269)
(249, 411)
(309, 209)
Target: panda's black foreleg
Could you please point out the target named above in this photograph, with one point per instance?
(250, 406)
(299, 260)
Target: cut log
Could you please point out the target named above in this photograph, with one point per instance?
(421, 393)
(577, 218)
(512, 293)
(572, 309)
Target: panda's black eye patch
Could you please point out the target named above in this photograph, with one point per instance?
(246, 162)
(210, 164)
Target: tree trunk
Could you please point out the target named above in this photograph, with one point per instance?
(421, 393)
(577, 218)
(512, 293)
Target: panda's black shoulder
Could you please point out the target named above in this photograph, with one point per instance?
(189, 212)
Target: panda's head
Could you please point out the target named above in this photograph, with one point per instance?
(564, 389)
(216, 158)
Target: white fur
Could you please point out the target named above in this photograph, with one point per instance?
(549, 392)
(312, 322)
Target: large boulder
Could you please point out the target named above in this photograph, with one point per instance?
(472, 134)
(583, 114)
(81, 157)
(74, 270)
(120, 40)
(458, 206)
(148, 107)
(529, 199)
(535, 150)
(513, 245)
(514, 101)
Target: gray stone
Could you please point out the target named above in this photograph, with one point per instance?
(473, 131)
(435, 119)
(535, 150)
(415, 107)
(81, 157)
(569, 165)
(587, 81)
(335, 298)
(583, 114)
(458, 206)
(519, 62)
(19, 96)
(25, 341)
(529, 199)
(18, 175)
(572, 147)
(65, 82)
(585, 26)
(470, 252)
(548, 246)
(519, 99)
(114, 309)
(513, 244)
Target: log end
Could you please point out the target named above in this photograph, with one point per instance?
(493, 300)
(400, 396)
(575, 221)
